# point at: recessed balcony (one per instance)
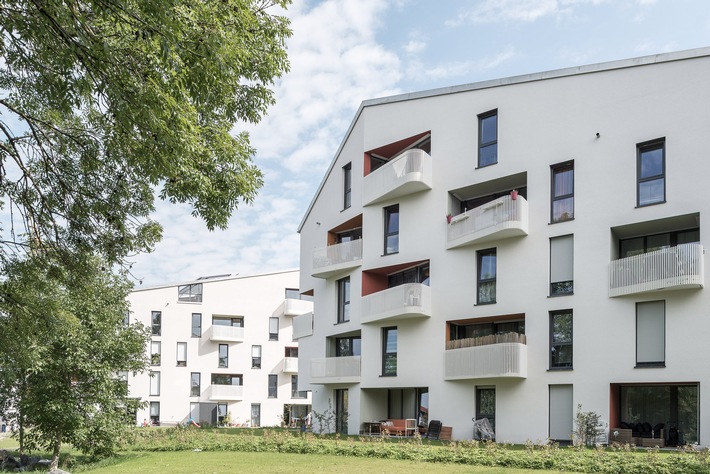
(501, 218)
(408, 301)
(333, 259)
(327, 370)
(290, 365)
(672, 268)
(484, 358)
(302, 326)
(218, 333)
(293, 307)
(406, 174)
(226, 392)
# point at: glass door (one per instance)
(486, 405)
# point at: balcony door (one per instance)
(341, 410)
(486, 405)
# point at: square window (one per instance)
(487, 275)
(488, 138)
(651, 172)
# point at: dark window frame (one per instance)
(223, 360)
(274, 335)
(273, 386)
(561, 287)
(256, 359)
(554, 198)
(343, 300)
(672, 239)
(479, 280)
(351, 349)
(295, 392)
(180, 363)
(347, 185)
(154, 414)
(190, 293)
(196, 329)
(488, 144)
(387, 356)
(388, 233)
(555, 345)
(156, 327)
(195, 388)
(155, 357)
(641, 149)
(651, 364)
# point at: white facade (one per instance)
(223, 346)
(627, 146)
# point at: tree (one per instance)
(64, 342)
(103, 102)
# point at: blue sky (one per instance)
(345, 51)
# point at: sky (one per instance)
(343, 52)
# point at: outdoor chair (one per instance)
(434, 430)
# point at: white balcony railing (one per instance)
(293, 307)
(412, 300)
(302, 326)
(327, 370)
(672, 268)
(327, 261)
(508, 359)
(408, 173)
(226, 392)
(499, 219)
(219, 333)
(290, 365)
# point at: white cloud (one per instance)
(460, 69)
(523, 11)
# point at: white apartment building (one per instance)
(514, 248)
(221, 351)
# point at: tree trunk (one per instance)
(55, 454)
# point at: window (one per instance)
(291, 352)
(389, 351)
(154, 383)
(467, 330)
(273, 329)
(256, 357)
(182, 354)
(651, 172)
(488, 138)
(273, 385)
(196, 325)
(295, 393)
(293, 293)
(418, 274)
(155, 317)
(221, 413)
(155, 353)
(122, 375)
(223, 356)
(226, 379)
(255, 415)
(392, 229)
(562, 207)
(650, 243)
(190, 293)
(227, 321)
(562, 265)
(347, 346)
(127, 318)
(487, 276)
(561, 339)
(195, 384)
(155, 413)
(347, 185)
(651, 334)
(344, 300)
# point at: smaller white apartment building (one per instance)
(221, 351)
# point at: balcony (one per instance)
(502, 218)
(485, 358)
(672, 268)
(219, 333)
(302, 326)
(408, 301)
(226, 393)
(408, 173)
(333, 259)
(293, 307)
(290, 365)
(327, 370)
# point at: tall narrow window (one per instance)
(344, 300)
(562, 265)
(347, 185)
(273, 385)
(182, 354)
(651, 172)
(256, 357)
(487, 275)
(561, 339)
(392, 229)
(255, 415)
(295, 393)
(651, 334)
(127, 318)
(488, 138)
(223, 356)
(221, 413)
(273, 329)
(155, 353)
(195, 384)
(155, 317)
(562, 207)
(389, 351)
(154, 383)
(196, 325)
(155, 413)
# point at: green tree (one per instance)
(105, 102)
(64, 340)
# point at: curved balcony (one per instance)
(672, 268)
(507, 359)
(333, 259)
(290, 365)
(501, 218)
(293, 307)
(408, 173)
(302, 326)
(326, 370)
(226, 392)
(218, 333)
(408, 301)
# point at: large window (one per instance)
(226, 379)
(256, 357)
(651, 334)
(347, 346)
(561, 339)
(223, 356)
(237, 322)
(487, 276)
(196, 329)
(182, 354)
(418, 274)
(347, 185)
(273, 385)
(344, 300)
(562, 265)
(562, 207)
(650, 243)
(155, 353)
(195, 384)
(468, 330)
(154, 383)
(295, 393)
(392, 229)
(155, 320)
(190, 293)
(273, 329)
(389, 351)
(651, 172)
(488, 138)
